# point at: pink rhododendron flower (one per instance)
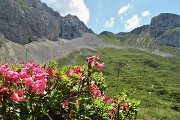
(93, 86)
(105, 97)
(23, 74)
(12, 76)
(125, 105)
(94, 90)
(64, 104)
(17, 95)
(39, 76)
(112, 100)
(77, 102)
(30, 65)
(35, 88)
(50, 71)
(76, 70)
(99, 66)
(3, 68)
(91, 60)
(97, 93)
(39, 86)
(121, 107)
(42, 86)
(4, 89)
(111, 114)
(70, 73)
(29, 82)
(73, 70)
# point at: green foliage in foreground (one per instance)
(153, 79)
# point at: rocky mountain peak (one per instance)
(163, 22)
(24, 21)
(139, 30)
(165, 29)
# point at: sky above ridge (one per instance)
(114, 15)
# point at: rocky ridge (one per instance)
(164, 29)
(24, 21)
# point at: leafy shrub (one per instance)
(151, 63)
(32, 91)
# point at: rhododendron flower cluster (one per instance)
(28, 76)
(94, 89)
(91, 62)
(32, 91)
(74, 71)
(17, 95)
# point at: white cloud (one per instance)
(123, 9)
(110, 23)
(132, 22)
(145, 13)
(74, 7)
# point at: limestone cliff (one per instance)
(24, 21)
(165, 29)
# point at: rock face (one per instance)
(24, 21)
(140, 29)
(165, 29)
(163, 22)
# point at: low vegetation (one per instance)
(150, 78)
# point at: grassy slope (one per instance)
(150, 78)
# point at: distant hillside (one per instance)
(24, 21)
(46, 50)
(164, 29)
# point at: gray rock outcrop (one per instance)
(138, 30)
(165, 29)
(24, 21)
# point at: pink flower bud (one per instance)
(64, 104)
(97, 93)
(99, 66)
(17, 95)
(4, 89)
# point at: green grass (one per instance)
(22, 3)
(150, 78)
(172, 50)
(129, 39)
(169, 31)
(110, 38)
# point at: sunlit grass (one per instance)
(153, 79)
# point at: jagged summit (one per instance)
(24, 21)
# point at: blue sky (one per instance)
(114, 15)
